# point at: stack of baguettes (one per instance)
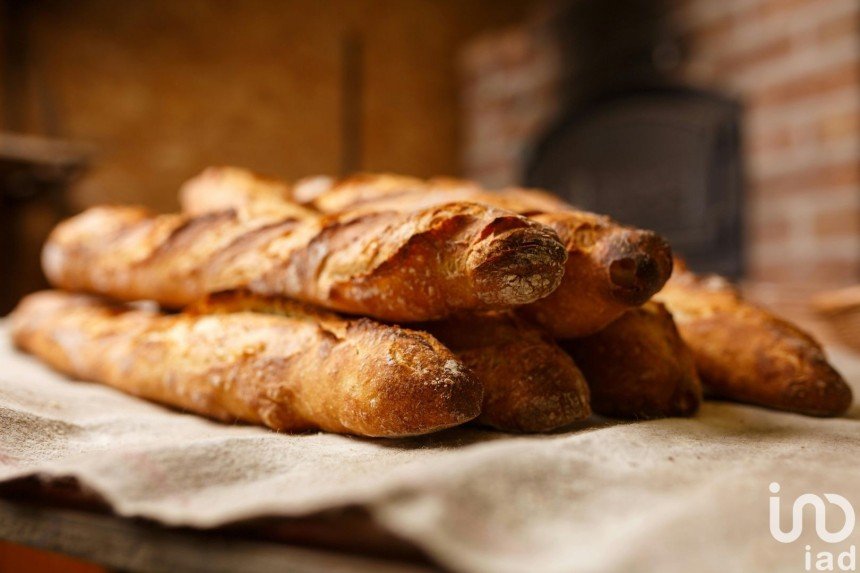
(383, 305)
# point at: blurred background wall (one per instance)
(164, 88)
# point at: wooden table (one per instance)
(54, 520)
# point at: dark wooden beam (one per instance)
(14, 57)
(352, 86)
(136, 545)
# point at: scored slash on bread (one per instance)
(398, 266)
(303, 370)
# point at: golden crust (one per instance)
(638, 366)
(231, 188)
(298, 372)
(746, 354)
(530, 383)
(610, 268)
(396, 266)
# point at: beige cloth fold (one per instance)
(669, 495)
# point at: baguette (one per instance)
(530, 384)
(416, 266)
(303, 371)
(610, 268)
(746, 354)
(638, 367)
(251, 195)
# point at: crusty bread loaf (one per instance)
(638, 366)
(251, 195)
(399, 266)
(530, 383)
(298, 372)
(610, 268)
(744, 353)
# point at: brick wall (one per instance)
(510, 94)
(794, 65)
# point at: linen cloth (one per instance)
(674, 495)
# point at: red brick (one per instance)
(837, 28)
(779, 272)
(480, 55)
(820, 82)
(496, 51)
(820, 272)
(833, 271)
(818, 179)
(839, 126)
(515, 47)
(760, 55)
(711, 34)
(769, 8)
(838, 223)
(775, 229)
(769, 141)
